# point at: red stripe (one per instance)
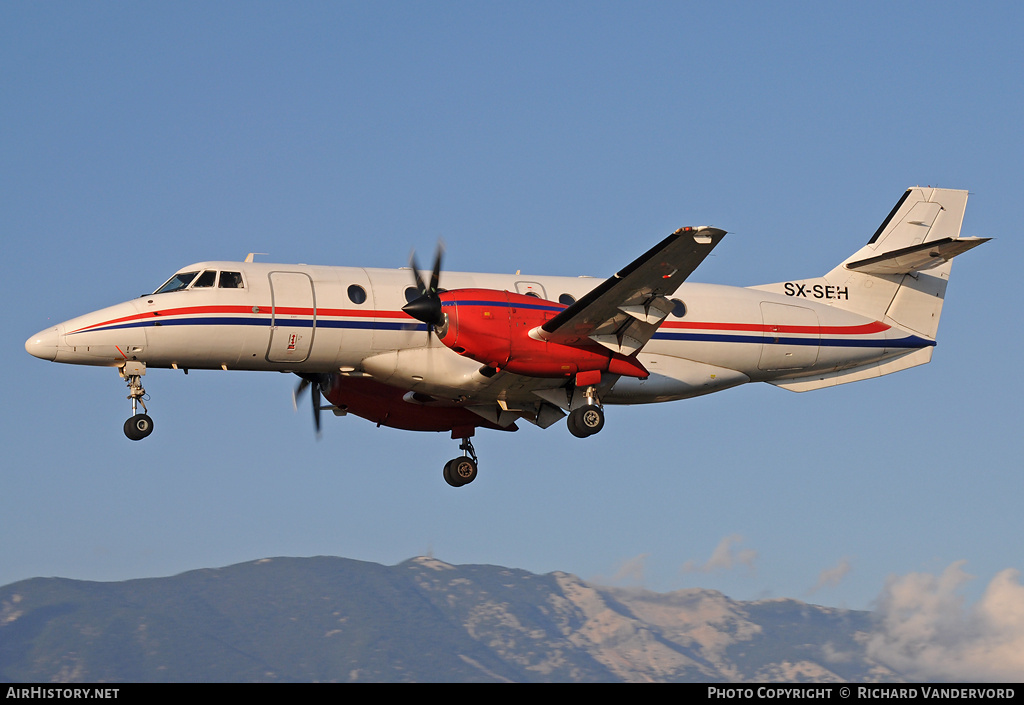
(862, 329)
(281, 311)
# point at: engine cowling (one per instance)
(492, 327)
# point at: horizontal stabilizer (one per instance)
(916, 257)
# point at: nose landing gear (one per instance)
(138, 426)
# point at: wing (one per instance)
(623, 312)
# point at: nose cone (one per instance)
(44, 343)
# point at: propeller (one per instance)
(309, 380)
(427, 308)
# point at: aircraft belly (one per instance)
(673, 378)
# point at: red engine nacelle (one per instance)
(492, 327)
(387, 406)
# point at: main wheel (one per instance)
(138, 427)
(585, 421)
(460, 471)
(448, 474)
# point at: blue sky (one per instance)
(557, 138)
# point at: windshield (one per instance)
(178, 281)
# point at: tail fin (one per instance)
(900, 276)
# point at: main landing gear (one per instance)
(138, 426)
(587, 419)
(461, 471)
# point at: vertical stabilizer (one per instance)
(900, 276)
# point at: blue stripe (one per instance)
(911, 341)
(370, 325)
(505, 304)
(296, 323)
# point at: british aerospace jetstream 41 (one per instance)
(488, 350)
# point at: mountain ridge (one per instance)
(327, 618)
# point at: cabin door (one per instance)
(293, 318)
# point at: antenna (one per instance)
(249, 257)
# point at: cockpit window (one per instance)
(177, 282)
(231, 280)
(206, 279)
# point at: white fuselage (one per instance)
(348, 320)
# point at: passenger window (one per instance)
(206, 279)
(678, 308)
(357, 294)
(231, 280)
(411, 294)
(566, 300)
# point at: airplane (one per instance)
(397, 349)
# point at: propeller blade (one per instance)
(435, 276)
(421, 287)
(297, 392)
(427, 308)
(316, 408)
(314, 382)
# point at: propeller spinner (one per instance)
(427, 308)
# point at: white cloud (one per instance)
(631, 570)
(725, 556)
(928, 633)
(830, 577)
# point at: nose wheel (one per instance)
(461, 471)
(138, 426)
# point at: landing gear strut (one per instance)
(138, 426)
(461, 471)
